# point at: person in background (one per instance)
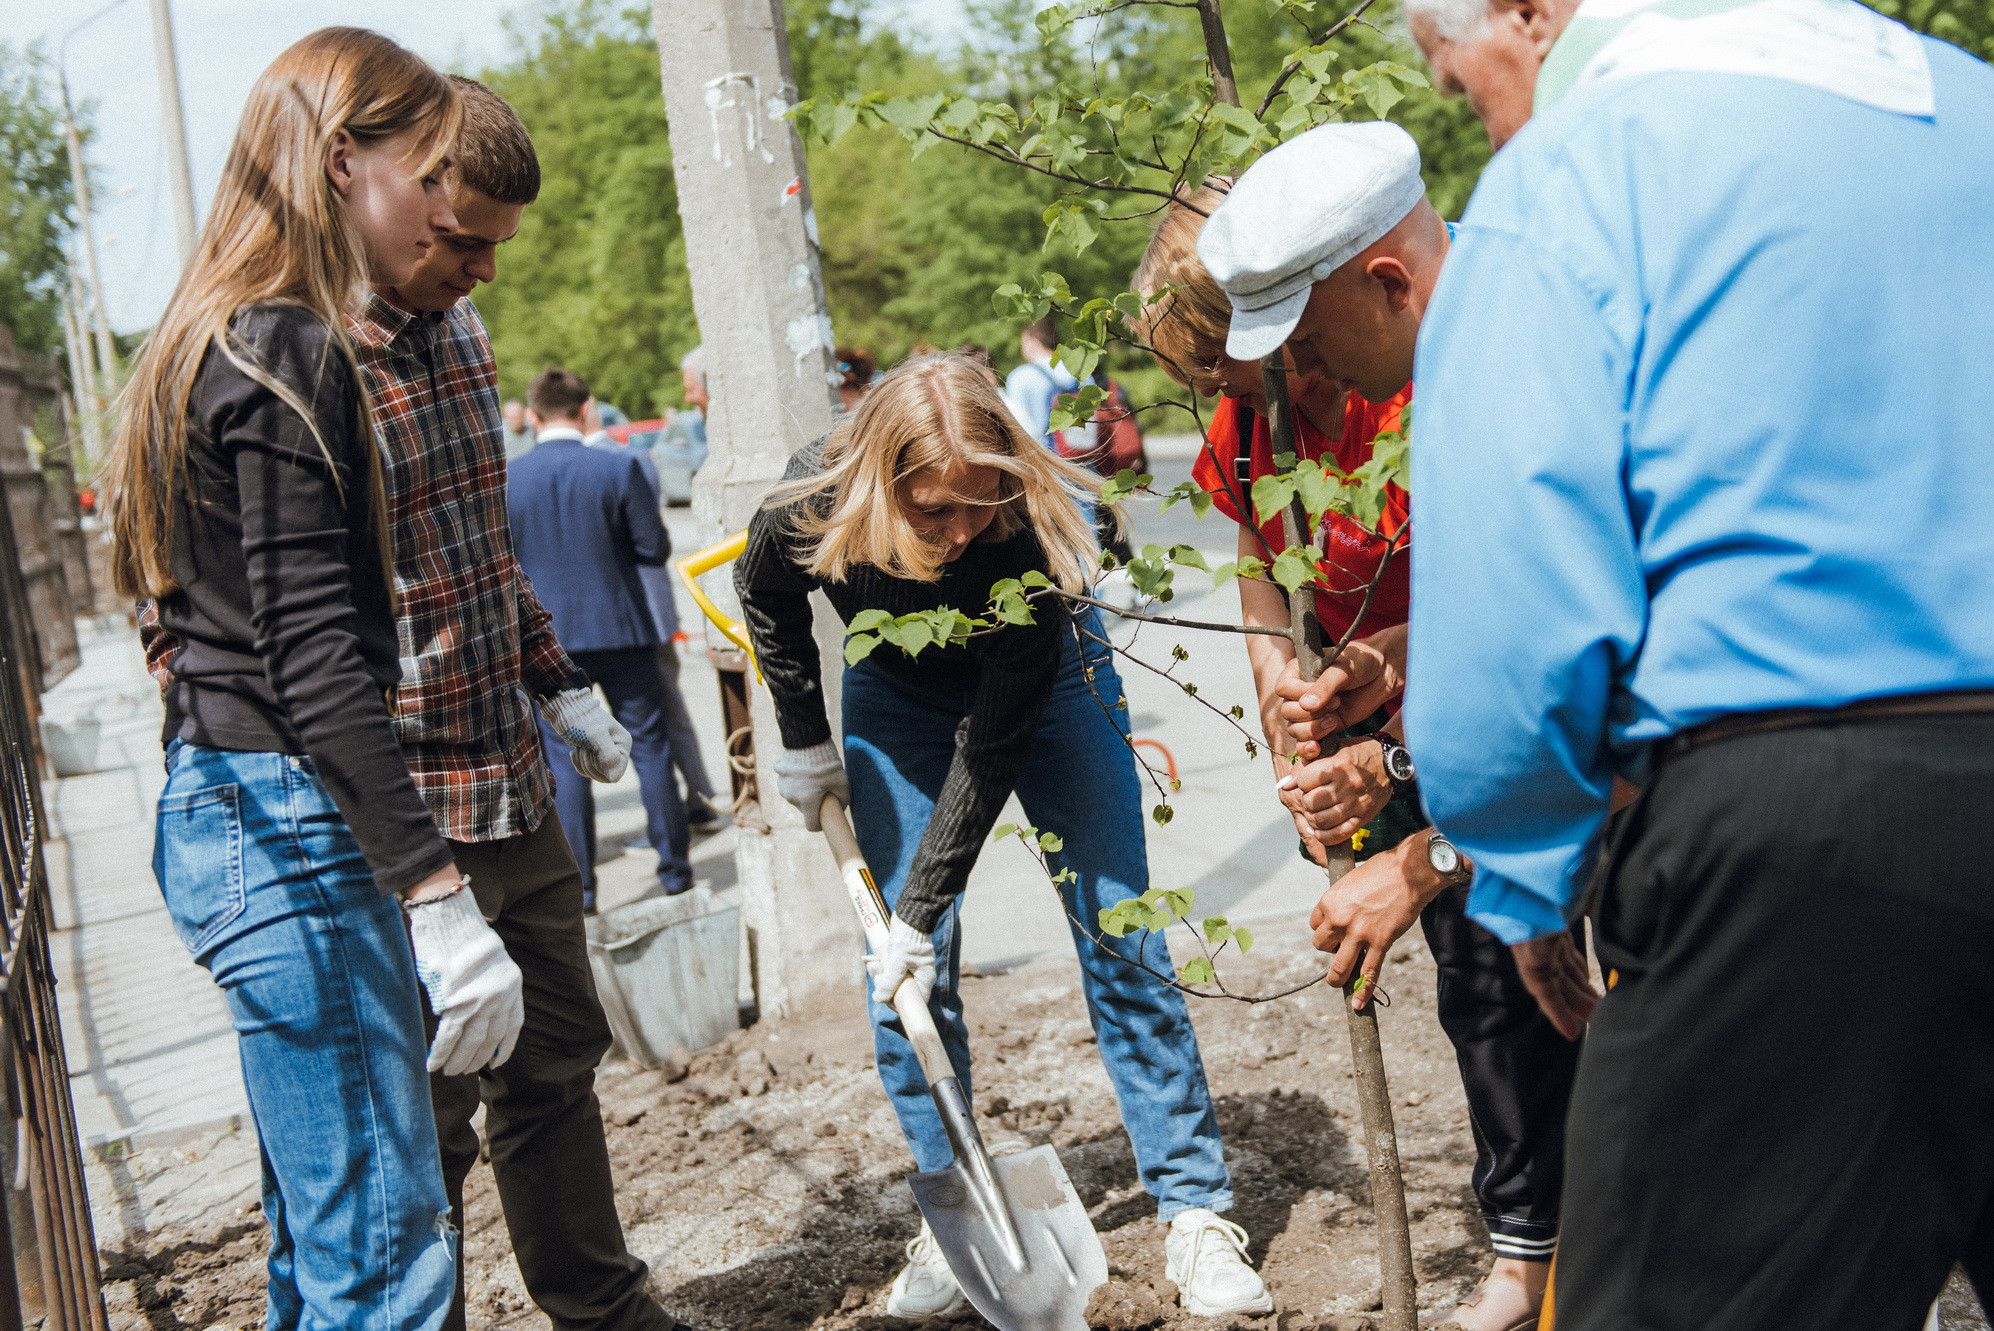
(518, 432)
(585, 520)
(678, 450)
(1705, 457)
(683, 446)
(295, 855)
(1037, 382)
(856, 368)
(926, 497)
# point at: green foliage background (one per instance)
(913, 246)
(36, 203)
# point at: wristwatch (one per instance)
(1398, 760)
(1447, 860)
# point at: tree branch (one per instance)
(1063, 594)
(1293, 65)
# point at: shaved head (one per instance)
(1361, 325)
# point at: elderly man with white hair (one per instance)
(1703, 476)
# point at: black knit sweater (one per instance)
(1001, 679)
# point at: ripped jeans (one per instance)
(268, 890)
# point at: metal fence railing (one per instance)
(48, 1273)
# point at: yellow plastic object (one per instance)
(706, 561)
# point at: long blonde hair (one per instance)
(1186, 329)
(278, 231)
(937, 412)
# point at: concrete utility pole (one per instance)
(758, 292)
(79, 179)
(82, 382)
(173, 127)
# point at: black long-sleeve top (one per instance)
(283, 614)
(1005, 677)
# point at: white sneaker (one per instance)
(925, 1287)
(1205, 1257)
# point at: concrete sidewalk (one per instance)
(152, 1058)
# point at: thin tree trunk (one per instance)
(1400, 1293)
(1218, 53)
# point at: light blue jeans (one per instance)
(1079, 784)
(269, 891)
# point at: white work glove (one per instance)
(473, 986)
(908, 952)
(601, 745)
(805, 776)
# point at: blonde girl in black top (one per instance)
(923, 498)
(247, 503)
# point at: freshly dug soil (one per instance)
(763, 1182)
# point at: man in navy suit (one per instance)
(583, 521)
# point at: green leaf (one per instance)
(1216, 929)
(859, 646)
(1271, 494)
(1054, 20)
(1116, 924)
(865, 621)
(1034, 578)
(1073, 409)
(1050, 843)
(1162, 813)
(1295, 570)
(1003, 830)
(1189, 556)
(1189, 492)
(1243, 939)
(1123, 484)
(1196, 971)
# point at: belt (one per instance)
(1959, 702)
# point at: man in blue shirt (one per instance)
(1703, 476)
(584, 521)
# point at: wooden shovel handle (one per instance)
(874, 917)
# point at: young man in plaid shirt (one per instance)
(475, 644)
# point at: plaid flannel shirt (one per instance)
(476, 642)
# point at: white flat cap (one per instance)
(1300, 213)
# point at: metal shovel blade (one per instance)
(1062, 1258)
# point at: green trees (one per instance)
(913, 243)
(35, 201)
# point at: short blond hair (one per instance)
(938, 412)
(1186, 329)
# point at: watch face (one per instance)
(1440, 853)
(1398, 764)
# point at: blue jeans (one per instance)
(269, 891)
(1079, 784)
(635, 687)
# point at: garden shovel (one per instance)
(1012, 1227)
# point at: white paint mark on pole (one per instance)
(809, 334)
(718, 98)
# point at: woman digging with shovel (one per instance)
(925, 497)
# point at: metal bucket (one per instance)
(72, 745)
(667, 970)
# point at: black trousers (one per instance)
(541, 1115)
(635, 688)
(1784, 1118)
(1517, 1072)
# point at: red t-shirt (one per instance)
(1350, 554)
